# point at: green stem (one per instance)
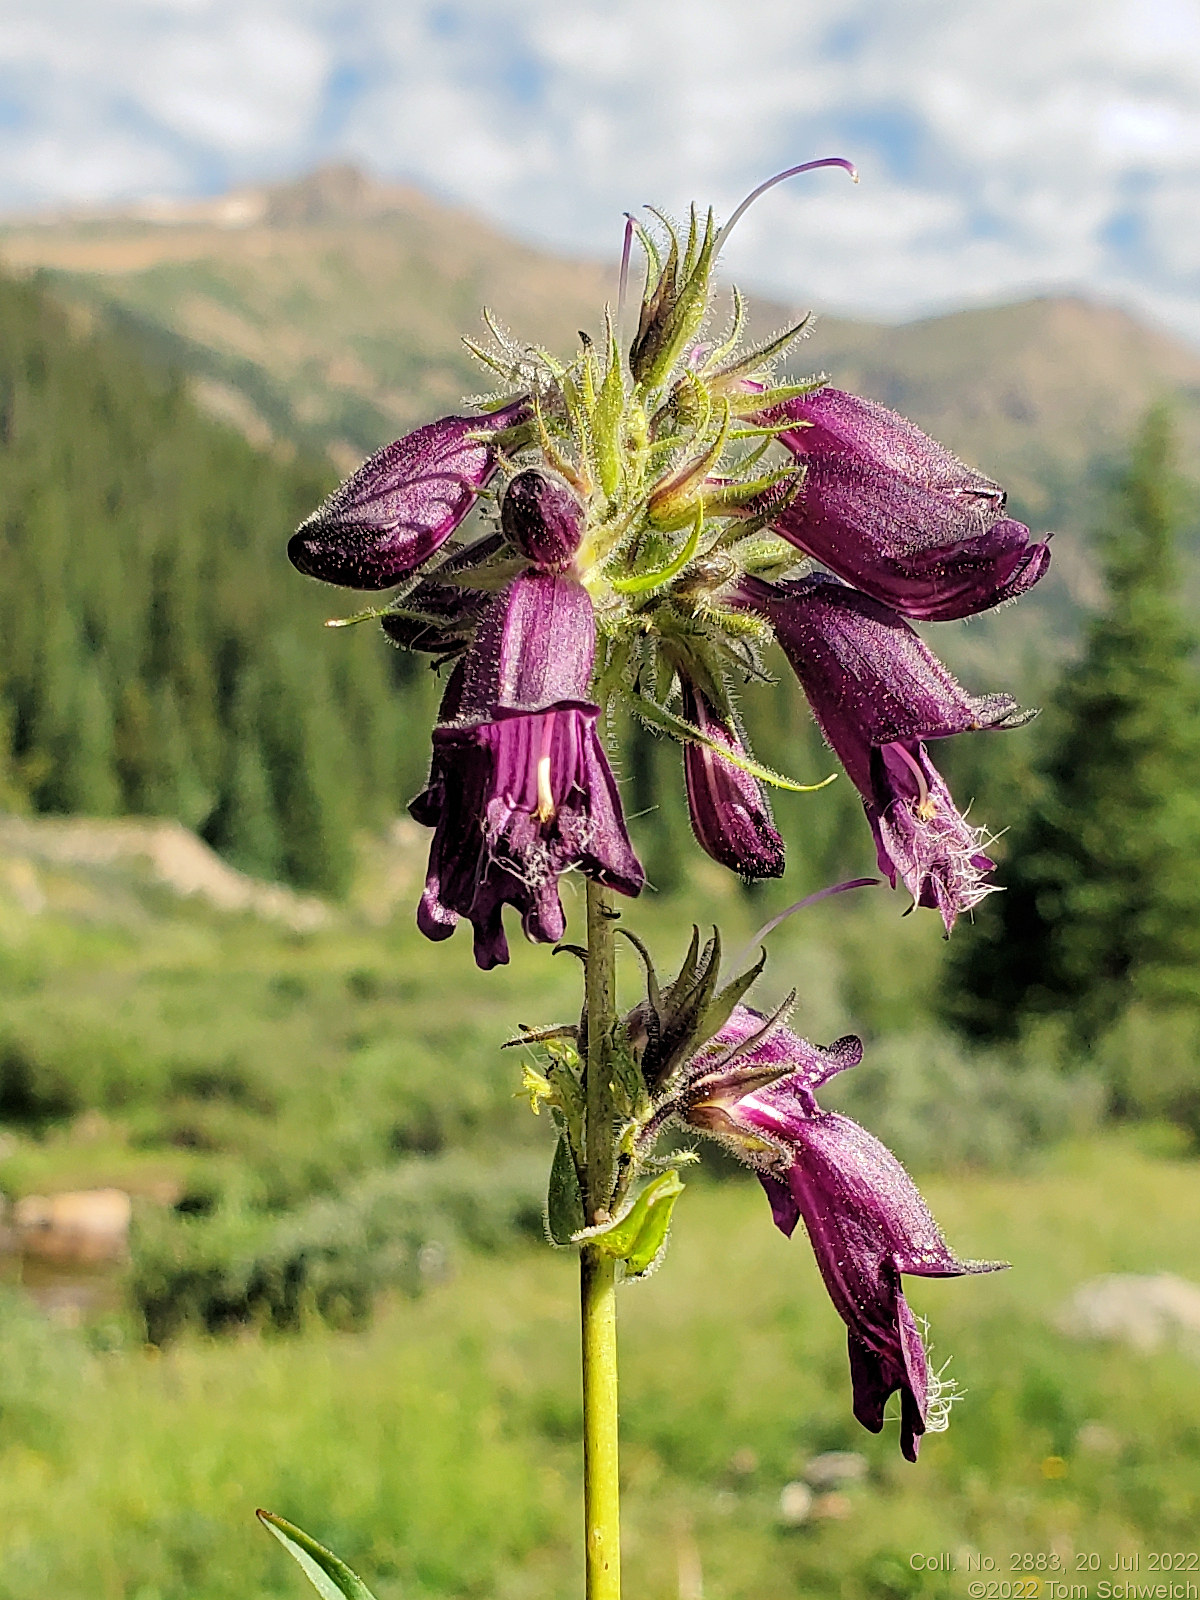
(601, 999)
(598, 1298)
(601, 1486)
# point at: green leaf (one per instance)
(656, 716)
(564, 1205)
(651, 1242)
(331, 1578)
(371, 614)
(638, 1237)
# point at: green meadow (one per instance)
(437, 1449)
(338, 1193)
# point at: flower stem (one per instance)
(601, 1001)
(598, 1297)
(601, 1488)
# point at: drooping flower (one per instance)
(893, 512)
(753, 1087)
(731, 816)
(878, 693)
(403, 503)
(520, 789)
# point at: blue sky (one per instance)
(1006, 146)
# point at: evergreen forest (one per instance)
(159, 655)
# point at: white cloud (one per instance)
(1003, 143)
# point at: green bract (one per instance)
(676, 490)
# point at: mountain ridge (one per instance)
(328, 312)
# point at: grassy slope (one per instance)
(436, 1451)
(163, 1046)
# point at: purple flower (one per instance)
(878, 693)
(543, 517)
(891, 511)
(731, 816)
(402, 504)
(752, 1087)
(520, 789)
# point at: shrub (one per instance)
(396, 1228)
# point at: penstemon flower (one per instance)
(651, 512)
(520, 788)
(887, 508)
(878, 693)
(730, 812)
(753, 1087)
(403, 503)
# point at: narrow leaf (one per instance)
(609, 413)
(371, 614)
(763, 353)
(733, 338)
(721, 1008)
(331, 1578)
(685, 978)
(653, 992)
(656, 716)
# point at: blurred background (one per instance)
(272, 1214)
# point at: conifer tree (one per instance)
(141, 561)
(1102, 877)
(247, 829)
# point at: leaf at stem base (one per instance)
(331, 1578)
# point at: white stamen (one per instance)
(545, 807)
(941, 1392)
(926, 807)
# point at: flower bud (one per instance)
(403, 503)
(542, 515)
(730, 814)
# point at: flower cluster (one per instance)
(656, 512)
